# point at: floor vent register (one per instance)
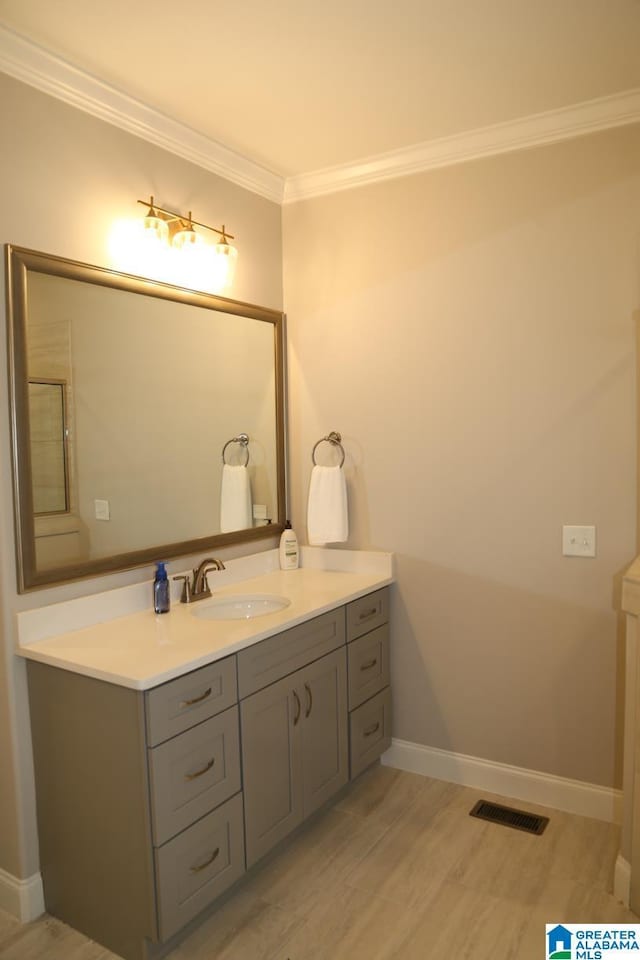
(509, 817)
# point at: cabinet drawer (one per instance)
(370, 731)
(175, 706)
(274, 658)
(367, 613)
(198, 865)
(193, 773)
(368, 660)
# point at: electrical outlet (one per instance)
(101, 508)
(578, 541)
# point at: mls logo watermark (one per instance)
(592, 941)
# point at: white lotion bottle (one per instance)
(289, 552)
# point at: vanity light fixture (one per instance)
(178, 232)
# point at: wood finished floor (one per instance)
(394, 870)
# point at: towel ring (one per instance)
(242, 439)
(333, 438)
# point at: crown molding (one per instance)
(536, 130)
(26, 61)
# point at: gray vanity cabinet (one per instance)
(92, 789)
(139, 806)
(294, 750)
(293, 719)
(323, 730)
(270, 766)
(153, 803)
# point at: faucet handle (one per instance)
(186, 588)
(206, 589)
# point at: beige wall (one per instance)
(470, 332)
(64, 178)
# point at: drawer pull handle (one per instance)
(298, 709)
(369, 664)
(207, 863)
(368, 613)
(309, 700)
(190, 703)
(369, 732)
(199, 773)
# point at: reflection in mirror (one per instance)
(125, 394)
(49, 468)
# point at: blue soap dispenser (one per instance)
(161, 597)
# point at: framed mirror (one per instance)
(147, 420)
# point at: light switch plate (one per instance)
(101, 508)
(578, 541)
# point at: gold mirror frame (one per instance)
(21, 261)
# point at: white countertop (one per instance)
(142, 649)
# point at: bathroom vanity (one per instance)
(164, 772)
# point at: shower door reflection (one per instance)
(49, 454)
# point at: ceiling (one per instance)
(296, 86)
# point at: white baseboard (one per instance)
(23, 899)
(572, 796)
(622, 880)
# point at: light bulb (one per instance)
(155, 225)
(186, 237)
(224, 263)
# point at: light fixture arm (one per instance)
(171, 217)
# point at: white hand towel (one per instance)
(235, 499)
(327, 515)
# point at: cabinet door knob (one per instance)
(298, 709)
(190, 703)
(309, 700)
(207, 863)
(371, 730)
(369, 664)
(199, 773)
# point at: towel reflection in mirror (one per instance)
(236, 504)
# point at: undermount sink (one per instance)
(244, 606)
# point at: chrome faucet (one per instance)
(199, 589)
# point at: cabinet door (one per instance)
(322, 687)
(271, 765)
